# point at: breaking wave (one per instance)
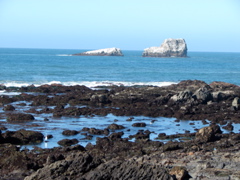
(90, 84)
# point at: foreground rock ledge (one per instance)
(207, 154)
(169, 48)
(210, 155)
(102, 52)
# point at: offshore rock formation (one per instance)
(169, 48)
(102, 52)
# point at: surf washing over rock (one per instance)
(102, 52)
(169, 48)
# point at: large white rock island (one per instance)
(169, 48)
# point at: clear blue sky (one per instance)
(206, 25)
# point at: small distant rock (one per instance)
(70, 132)
(140, 135)
(139, 125)
(130, 119)
(95, 131)
(115, 126)
(102, 52)
(169, 48)
(115, 136)
(49, 136)
(68, 142)
(162, 135)
(9, 108)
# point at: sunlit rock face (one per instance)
(102, 52)
(169, 48)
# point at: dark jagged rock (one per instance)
(139, 124)
(74, 166)
(9, 108)
(203, 94)
(208, 134)
(115, 127)
(5, 100)
(95, 131)
(22, 137)
(19, 117)
(171, 146)
(140, 135)
(124, 170)
(70, 132)
(115, 136)
(67, 142)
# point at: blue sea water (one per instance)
(21, 67)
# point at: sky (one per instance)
(206, 25)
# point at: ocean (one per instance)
(22, 67)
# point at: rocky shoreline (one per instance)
(207, 153)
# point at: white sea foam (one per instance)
(16, 84)
(90, 84)
(9, 93)
(64, 55)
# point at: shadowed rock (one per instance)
(74, 166)
(115, 126)
(9, 108)
(128, 170)
(70, 132)
(20, 117)
(67, 142)
(22, 137)
(208, 134)
(139, 124)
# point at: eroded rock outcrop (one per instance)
(169, 48)
(102, 52)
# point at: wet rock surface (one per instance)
(22, 136)
(19, 117)
(207, 153)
